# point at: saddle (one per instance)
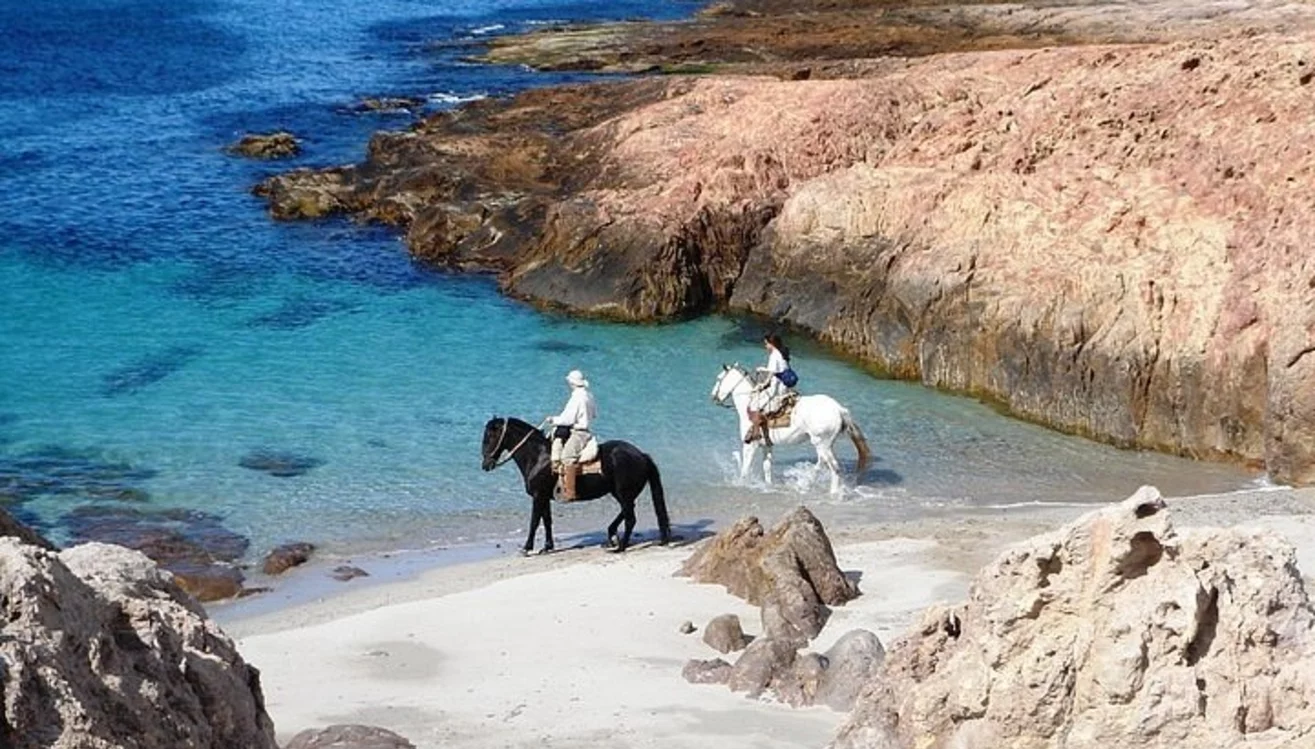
(589, 461)
(783, 413)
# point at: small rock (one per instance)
(275, 145)
(346, 572)
(724, 634)
(287, 556)
(687, 627)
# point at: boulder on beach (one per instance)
(102, 649)
(791, 571)
(1116, 631)
(348, 736)
(286, 556)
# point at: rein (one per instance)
(512, 452)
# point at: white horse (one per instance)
(817, 418)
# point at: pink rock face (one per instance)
(1109, 240)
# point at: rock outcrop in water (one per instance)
(1109, 240)
(1116, 631)
(102, 650)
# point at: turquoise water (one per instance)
(158, 330)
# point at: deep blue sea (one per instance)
(161, 337)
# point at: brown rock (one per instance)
(1114, 631)
(101, 649)
(276, 145)
(724, 634)
(348, 736)
(285, 557)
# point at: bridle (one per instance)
(726, 401)
(512, 452)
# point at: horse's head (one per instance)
(730, 378)
(495, 437)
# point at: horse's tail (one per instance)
(860, 441)
(659, 500)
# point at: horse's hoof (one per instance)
(526, 552)
(616, 550)
(546, 550)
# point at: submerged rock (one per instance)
(11, 527)
(285, 557)
(1117, 630)
(279, 462)
(277, 145)
(102, 649)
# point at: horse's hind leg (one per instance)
(611, 529)
(827, 457)
(628, 514)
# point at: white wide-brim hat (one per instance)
(575, 378)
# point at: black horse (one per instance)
(626, 470)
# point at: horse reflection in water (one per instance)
(626, 471)
(818, 419)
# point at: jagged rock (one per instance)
(348, 736)
(715, 671)
(1115, 631)
(285, 557)
(276, 145)
(724, 634)
(791, 570)
(850, 664)
(102, 649)
(763, 661)
(9, 526)
(687, 627)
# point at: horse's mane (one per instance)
(512, 421)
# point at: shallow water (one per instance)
(159, 331)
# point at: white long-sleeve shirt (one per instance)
(580, 410)
(776, 364)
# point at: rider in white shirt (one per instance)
(572, 433)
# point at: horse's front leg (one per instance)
(747, 452)
(767, 464)
(536, 511)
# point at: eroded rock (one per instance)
(850, 664)
(102, 649)
(1117, 630)
(715, 671)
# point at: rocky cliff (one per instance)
(1106, 239)
(1116, 631)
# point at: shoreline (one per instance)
(573, 648)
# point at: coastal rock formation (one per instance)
(101, 650)
(277, 145)
(790, 572)
(1114, 631)
(1108, 240)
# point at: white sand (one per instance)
(582, 648)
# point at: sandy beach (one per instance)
(583, 648)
